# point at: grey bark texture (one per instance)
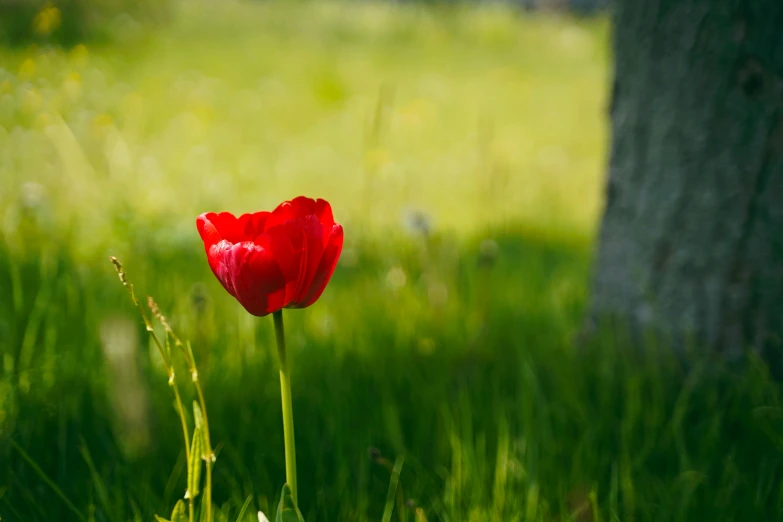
(691, 242)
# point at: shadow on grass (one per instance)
(456, 354)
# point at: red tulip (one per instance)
(274, 260)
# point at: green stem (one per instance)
(210, 461)
(210, 454)
(181, 412)
(288, 411)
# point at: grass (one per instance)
(463, 150)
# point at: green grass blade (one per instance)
(395, 479)
(100, 487)
(194, 466)
(244, 508)
(47, 480)
(180, 513)
(198, 417)
(286, 509)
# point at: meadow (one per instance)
(463, 149)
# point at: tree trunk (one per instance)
(691, 243)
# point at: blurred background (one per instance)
(463, 147)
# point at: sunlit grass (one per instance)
(475, 116)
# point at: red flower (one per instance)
(273, 260)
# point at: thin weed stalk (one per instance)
(190, 360)
(165, 354)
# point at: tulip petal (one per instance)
(284, 212)
(323, 211)
(288, 245)
(228, 227)
(324, 270)
(253, 224)
(215, 255)
(313, 232)
(250, 273)
(224, 226)
(207, 230)
(301, 207)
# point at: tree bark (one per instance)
(691, 242)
